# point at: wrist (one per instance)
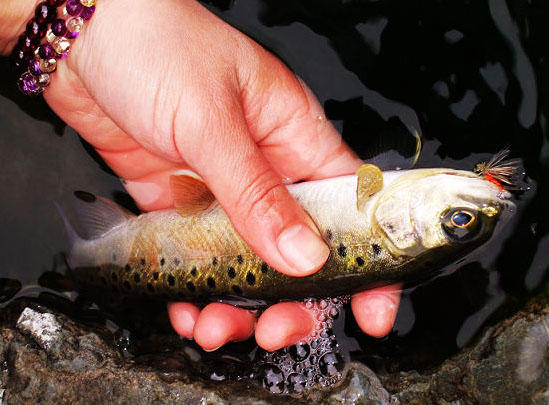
(14, 15)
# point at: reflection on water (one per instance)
(470, 77)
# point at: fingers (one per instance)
(283, 325)
(183, 316)
(375, 310)
(279, 326)
(218, 324)
(261, 209)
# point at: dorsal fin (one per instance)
(190, 194)
(369, 182)
(97, 215)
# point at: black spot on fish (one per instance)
(85, 196)
(162, 261)
(136, 277)
(190, 286)
(127, 267)
(193, 271)
(127, 285)
(237, 290)
(231, 272)
(264, 268)
(250, 278)
(150, 287)
(171, 280)
(239, 259)
(155, 275)
(342, 250)
(176, 261)
(211, 282)
(376, 248)
(103, 280)
(360, 261)
(329, 234)
(214, 261)
(143, 262)
(114, 277)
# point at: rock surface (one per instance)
(48, 358)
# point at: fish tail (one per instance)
(72, 235)
(96, 216)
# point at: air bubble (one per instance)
(299, 352)
(272, 378)
(322, 304)
(297, 382)
(331, 364)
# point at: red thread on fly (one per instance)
(499, 171)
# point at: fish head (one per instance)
(448, 210)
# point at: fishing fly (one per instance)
(500, 171)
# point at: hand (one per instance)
(160, 86)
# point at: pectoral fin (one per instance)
(190, 194)
(370, 181)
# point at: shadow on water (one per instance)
(470, 77)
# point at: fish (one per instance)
(381, 227)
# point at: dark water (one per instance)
(471, 77)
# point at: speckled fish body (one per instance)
(401, 233)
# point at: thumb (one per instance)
(260, 207)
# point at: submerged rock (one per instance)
(509, 364)
(48, 358)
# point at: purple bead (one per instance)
(35, 30)
(34, 67)
(27, 44)
(87, 12)
(20, 58)
(46, 51)
(28, 84)
(74, 7)
(58, 27)
(45, 13)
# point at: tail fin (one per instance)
(96, 216)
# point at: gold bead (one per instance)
(49, 65)
(61, 45)
(44, 79)
(50, 36)
(75, 24)
(87, 3)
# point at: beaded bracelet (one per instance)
(33, 60)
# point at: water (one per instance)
(470, 77)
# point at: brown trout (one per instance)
(396, 226)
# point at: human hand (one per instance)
(158, 87)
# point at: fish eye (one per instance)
(460, 224)
(463, 219)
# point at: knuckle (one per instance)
(261, 197)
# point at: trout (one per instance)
(382, 228)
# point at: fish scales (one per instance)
(201, 257)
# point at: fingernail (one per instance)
(302, 249)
